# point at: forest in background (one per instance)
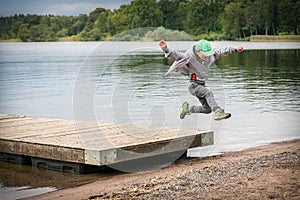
(175, 19)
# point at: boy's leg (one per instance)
(201, 109)
(201, 92)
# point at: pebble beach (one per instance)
(266, 172)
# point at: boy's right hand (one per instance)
(162, 44)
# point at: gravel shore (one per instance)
(268, 172)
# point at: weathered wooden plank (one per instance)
(45, 151)
(118, 139)
(27, 122)
(42, 127)
(7, 116)
(135, 151)
(49, 130)
(37, 130)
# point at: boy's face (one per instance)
(200, 55)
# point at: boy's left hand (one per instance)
(239, 49)
(162, 44)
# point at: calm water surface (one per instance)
(124, 82)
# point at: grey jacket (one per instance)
(189, 62)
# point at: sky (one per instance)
(56, 7)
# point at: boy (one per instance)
(195, 62)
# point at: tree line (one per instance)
(213, 19)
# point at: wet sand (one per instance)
(267, 172)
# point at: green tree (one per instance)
(144, 13)
(202, 16)
(265, 12)
(78, 25)
(171, 18)
(182, 15)
(252, 18)
(62, 33)
(289, 16)
(102, 23)
(32, 20)
(15, 29)
(232, 20)
(24, 33)
(195, 18)
(119, 22)
(95, 14)
(90, 35)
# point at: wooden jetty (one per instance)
(50, 141)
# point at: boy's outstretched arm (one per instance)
(176, 55)
(227, 51)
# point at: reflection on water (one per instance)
(18, 181)
(268, 79)
(13, 175)
(125, 83)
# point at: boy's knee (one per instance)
(200, 91)
(203, 93)
(207, 110)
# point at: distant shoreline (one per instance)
(275, 38)
(178, 45)
(255, 38)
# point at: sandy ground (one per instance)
(267, 172)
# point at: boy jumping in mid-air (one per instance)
(195, 63)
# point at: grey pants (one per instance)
(205, 97)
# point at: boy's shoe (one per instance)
(185, 110)
(221, 115)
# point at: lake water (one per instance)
(124, 82)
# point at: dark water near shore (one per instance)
(125, 83)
